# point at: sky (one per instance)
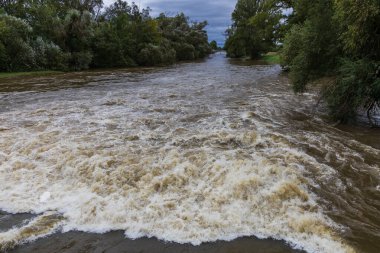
(216, 12)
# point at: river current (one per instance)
(194, 153)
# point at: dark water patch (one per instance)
(363, 133)
(8, 221)
(115, 242)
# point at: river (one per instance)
(196, 155)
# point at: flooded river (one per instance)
(193, 155)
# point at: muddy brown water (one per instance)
(211, 156)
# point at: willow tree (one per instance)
(340, 39)
(358, 81)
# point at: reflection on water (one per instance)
(194, 153)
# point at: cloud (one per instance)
(216, 12)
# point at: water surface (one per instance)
(190, 154)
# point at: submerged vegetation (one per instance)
(76, 35)
(336, 38)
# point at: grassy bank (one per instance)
(271, 58)
(31, 73)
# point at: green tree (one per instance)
(78, 31)
(49, 55)
(15, 50)
(357, 84)
(124, 34)
(359, 23)
(214, 45)
(78, 34)
(255, 28)
(341, 39)
(189, 40)
(311, 47)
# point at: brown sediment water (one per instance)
(194, 155)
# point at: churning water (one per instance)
(194, 153)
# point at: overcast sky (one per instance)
(216, 12)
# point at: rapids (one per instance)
(193, 153)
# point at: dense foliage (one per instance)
(214, 45)
(255, 29)
(335, 38)
(341, 39)
(77, 34)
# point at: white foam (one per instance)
(45, 197)
(125, 167)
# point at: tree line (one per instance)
(339, 39)
(79, 34)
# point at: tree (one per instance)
(124, 34)
(78, 33)
(357, 86)
(189, 40)
(311, 47)
(341, 39)
(255, 28)
(359, 25)
(214, 45)
(358, 77)
(15, 51)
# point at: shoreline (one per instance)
(9, 75)
(41, 73)
(269, 58)
(115, 241)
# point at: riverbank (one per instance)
(28, 74)
(271, 58)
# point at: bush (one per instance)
(184, 51)
(150, 55)
(156, 55)
(56, 59)
(49, 56)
